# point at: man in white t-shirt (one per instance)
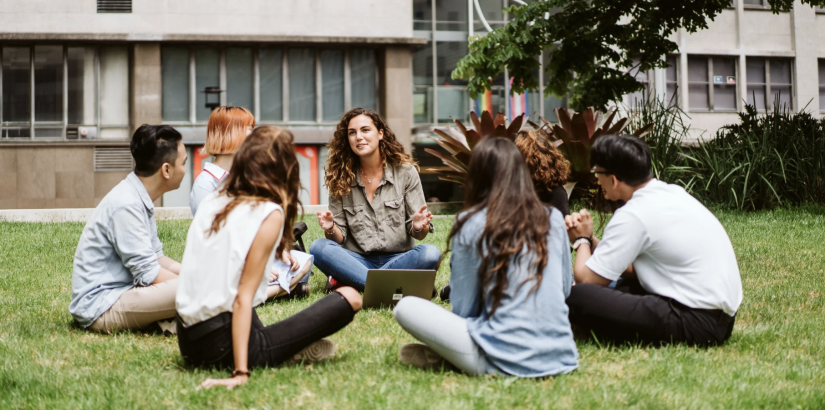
(678, 280)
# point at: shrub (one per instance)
(770, 160)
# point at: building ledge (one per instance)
(65, 143)
(210, 38)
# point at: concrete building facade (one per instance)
(77, 77)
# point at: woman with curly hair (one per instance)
(376, 205)
(549, 169)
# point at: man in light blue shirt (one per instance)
(121, 278)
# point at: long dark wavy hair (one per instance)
(265, 169)
(342, 163)
(517, 222)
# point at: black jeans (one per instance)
(628, 313)
(209, 343)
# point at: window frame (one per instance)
(256, 82)
(63, 125)
(710, 84)
(767, 84)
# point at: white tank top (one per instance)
(212, 264)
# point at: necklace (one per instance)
(369, 181)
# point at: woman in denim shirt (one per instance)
(508, 317)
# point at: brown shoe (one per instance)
(421, 356)
(320, 350)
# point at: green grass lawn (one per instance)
(775, 358)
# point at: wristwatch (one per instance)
(580, 240)
(240, 373)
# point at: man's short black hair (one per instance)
(152, 146)
(625, 156)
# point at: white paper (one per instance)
(282, 269)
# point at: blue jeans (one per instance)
(350, 268)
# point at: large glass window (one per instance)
(207, 79)
(294, 85)
(302, 84)
(239, 77)
(438, 98)
(332, 77)
(82, 86)
(769, 81)
(364, 78)
(51, 91)
(272, 76)
(175, 83)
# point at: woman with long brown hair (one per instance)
(229, 251)
(510, 274)
(376, 205)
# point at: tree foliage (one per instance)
(592, 44)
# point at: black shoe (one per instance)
(301, 291)
(445, 293)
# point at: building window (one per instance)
(822, 85)
(770, 81)
(712, 84)
(647, 80)
(61, 92)
(437, 97)
(755, 4)
(293, 85)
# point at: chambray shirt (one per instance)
(529, 334)
(384, 225)
(118, 250)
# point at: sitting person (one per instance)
(225, 132)
(121, 278)
(376, 205)
(680, 280)
(549, 171)
(510, 274)
(229, 251)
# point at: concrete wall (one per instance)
(37, 177)
(157, 19)
(744, 33)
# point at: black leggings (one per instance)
(629, 313)
(209, 343)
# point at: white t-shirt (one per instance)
(677, 247)
(212, 264)
(206, 183)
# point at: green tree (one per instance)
(591, 44)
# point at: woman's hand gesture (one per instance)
(421, 219)
(326, 221)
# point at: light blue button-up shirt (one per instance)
(118, 250)
(529, 335)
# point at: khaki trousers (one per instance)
(139, 307)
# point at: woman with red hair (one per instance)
(227, 129)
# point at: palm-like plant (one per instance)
(573, 135)
(460, 142)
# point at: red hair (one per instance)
(227, 129)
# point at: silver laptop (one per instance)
(385, 287)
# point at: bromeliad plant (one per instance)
(459, 143)
(573, 135)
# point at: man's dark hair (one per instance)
(625, 156)
(152, 146)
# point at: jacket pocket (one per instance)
(395, 212)
(356, 219)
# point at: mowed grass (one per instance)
(774, 359)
